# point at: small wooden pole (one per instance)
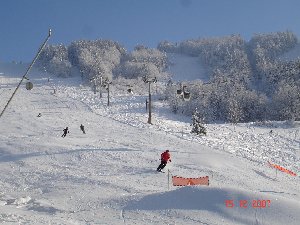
(108, 94)
(168, 179)
(149, 116)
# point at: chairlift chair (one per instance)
(179, 92)
(29, 85)
(186, 95)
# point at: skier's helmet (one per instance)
(167, 150)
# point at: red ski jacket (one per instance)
(165, 156)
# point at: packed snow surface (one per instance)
(107, 176)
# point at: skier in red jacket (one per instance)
(164, 157)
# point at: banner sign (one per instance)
(181, 181)
(282, 169)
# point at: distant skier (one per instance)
(82, 128)
(130, 91)
(39, 115)
(164, 157)
(66, 130)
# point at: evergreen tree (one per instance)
(198, 124)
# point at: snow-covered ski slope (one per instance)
(185, 68)
(107, 176)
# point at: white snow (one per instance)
(185, 68)
(107, 176)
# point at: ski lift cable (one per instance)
(27, 71)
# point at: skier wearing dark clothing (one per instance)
(164, 157)
(82, 128)
(66, 130)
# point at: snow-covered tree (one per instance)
(147, 55)
(142, 62)
(235, 111)
(54, 59)
(136, 69)
(97, 58)
(192, 47)
(197, 124)
(248, 81)
(265, 48)
(222, 56)
(275, 43)
(166, 46)
(229, 96)
(286, 101)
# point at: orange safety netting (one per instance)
(181, 181)
(282, 169)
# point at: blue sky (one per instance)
(25, 23)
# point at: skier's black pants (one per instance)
(162, 165)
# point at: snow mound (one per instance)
(2, 203)
(213, 201)
(22, 201)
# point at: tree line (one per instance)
(248, 81)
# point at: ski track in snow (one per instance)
(108, 175)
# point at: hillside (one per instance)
(107, 176)
(229, 79)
